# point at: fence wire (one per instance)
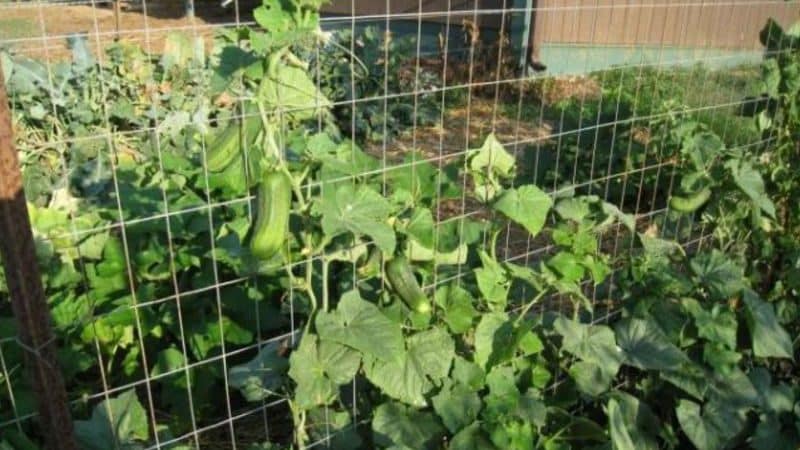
(180, 318)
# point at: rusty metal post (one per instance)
(27, 294)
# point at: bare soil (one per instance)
(41, 30)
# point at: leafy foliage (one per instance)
(144, 246)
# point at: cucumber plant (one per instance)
(413, 329)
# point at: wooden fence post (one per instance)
(117, 14)
(27, 294)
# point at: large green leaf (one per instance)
(504, 396)
(206, 334)
(361, 211)
(632, 424)
(645, 346)
(334, 427)
(405, 427)
(426, 361)
(702, 148)
(488, 165)
(232, 60)
(568, 266)
(273, 17)
(292, 92)
(593, 343)
(422, 230)
(775, 399)
(341, 362)
(493, 282)
(346, 160)
(261, 376)
(169, 360)
(731, 388)
(457, 406)
(770, 340)
(421, 227)
(492, 156)
(495, 339)
(319, 367)
(718, 274)
(771, 435)
(361, 325)
(590, 378)
(527, 205)
(313, 388)
(471, 438)
(574, 208)
(718, 325)
(468, 374)
(118, 422)
(749, 180)
(514, 434)
(713, 427)
(457, 304)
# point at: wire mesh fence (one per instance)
(163, 317)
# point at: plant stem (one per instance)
(296, 187)
(325, 265)
(351, 54)
(309, 281)
(529, 306)
(493, 248)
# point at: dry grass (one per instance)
(552, 91)
(463, 128)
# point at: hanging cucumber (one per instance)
(403, 281)
(691, 203)
(274, 204)
(226, 146)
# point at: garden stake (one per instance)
(28, 303)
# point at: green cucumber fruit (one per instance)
(227, 144)
(691, 203)
(403, 281)
(274, 204)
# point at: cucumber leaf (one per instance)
(361, 211)
(426, 361)
(770, 340)
(359, 324)
(527, 205)
(405, 427)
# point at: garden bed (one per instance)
(555, 263)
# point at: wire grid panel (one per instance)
(147, 294)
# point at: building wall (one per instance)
(580, 36)
(719, 24)
(407, 9)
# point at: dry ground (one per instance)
(40, 29)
